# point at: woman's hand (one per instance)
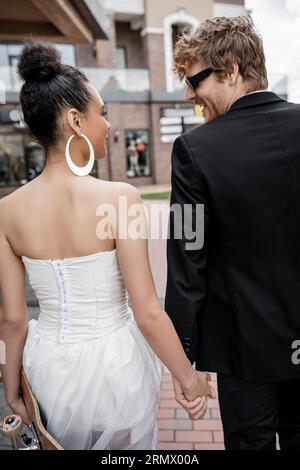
(18, 407)
(196, 409)
(193, 397)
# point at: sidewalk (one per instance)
(178, 432)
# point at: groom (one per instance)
(235, 301)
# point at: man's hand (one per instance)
(199, 386)
(197, 408)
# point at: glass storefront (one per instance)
(137, 153)
(16, 164)
(21, 160)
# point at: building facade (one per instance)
(128, 57)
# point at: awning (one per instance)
(77, 21)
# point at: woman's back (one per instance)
(58, 218)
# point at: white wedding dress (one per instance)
(96, 379)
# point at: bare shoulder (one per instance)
(2, 204)
(12, 200)
(6, 209)
(114, 189)
(21, 193)
(14, 204)
(126, 189)
(7, 204)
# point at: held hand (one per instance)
(18, 408)
(196, 409)
(199, 387)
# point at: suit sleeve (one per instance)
(185, 292)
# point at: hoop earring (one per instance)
(80, 170)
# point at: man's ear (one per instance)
(74, 121)
(233, 74)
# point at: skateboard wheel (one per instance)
(11, 426)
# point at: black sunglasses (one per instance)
(194, 80)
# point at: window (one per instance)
(178, 29)
(3, 55)
(67, 52)
(21, 160)
(35, 159)
(94, 171)
(180, 19)
(121, 57)
(9, 53)
(137, 153)
(12, 160)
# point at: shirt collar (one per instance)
(255, 98)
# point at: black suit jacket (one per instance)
(235, 302)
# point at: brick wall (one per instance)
(162, 152)
(125, 116)
(106, 50)
(155, 60)
(137, 116)
(133, 42)
(85, 55)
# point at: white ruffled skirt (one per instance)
(96, 394)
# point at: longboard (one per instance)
(31, 437)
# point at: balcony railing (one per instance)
(105, 80)
(133, 7)
(116, 80)
(9, 81)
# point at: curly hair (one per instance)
(219, 43)
(49, 86)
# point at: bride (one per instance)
(93, 364)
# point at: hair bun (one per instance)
(39, 61)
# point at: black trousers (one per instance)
(253, 412)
